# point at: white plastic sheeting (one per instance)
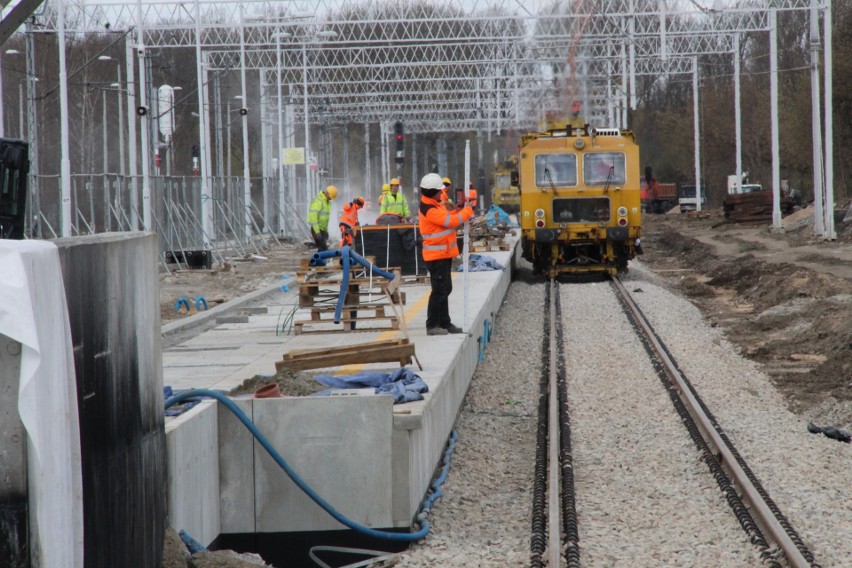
(34, 313)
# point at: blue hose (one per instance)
(344, 285)
(425, 507)
(182, 303)
(191, 544)
(347, 255)
(367, 264)
(354, 256)
(324, 255)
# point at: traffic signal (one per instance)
(400, 142)
(196, 153)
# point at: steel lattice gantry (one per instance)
(450, 65)
(446, 65)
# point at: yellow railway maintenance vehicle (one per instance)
(504, 193)
(580, 203)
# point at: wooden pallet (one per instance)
(311, 292)
(348, 312)
(489, 248)
(346, 325)
(330, 297)
(375, 352)
(332, 278)
(333, 272)
(415, 279)
(305, 263)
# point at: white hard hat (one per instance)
(431, 181)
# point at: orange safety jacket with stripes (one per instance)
(438, 228)
(350, 215)
(348, 221)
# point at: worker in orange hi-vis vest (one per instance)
(438, 228)
(349, 220)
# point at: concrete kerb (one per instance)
(211, 314)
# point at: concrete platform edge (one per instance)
(212, 313)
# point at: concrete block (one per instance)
(341, 447)
(192, 453)
(253, 310)
(236, 469)
(232, 319)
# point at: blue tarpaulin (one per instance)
(481, 263)
(179, 409)
(496, 215)
(402, 384)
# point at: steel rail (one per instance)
(762, 513)
(554, 524)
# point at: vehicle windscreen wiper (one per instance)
(609, 178)
(550, 181)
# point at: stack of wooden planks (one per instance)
(388, 351)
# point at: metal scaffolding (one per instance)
(440, 66)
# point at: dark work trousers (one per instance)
(321, 240)
(438, 313)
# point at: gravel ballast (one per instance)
(639, 479)
(644, 496)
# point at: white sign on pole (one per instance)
(166, 98)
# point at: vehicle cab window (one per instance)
(559, 170)
(601, 168)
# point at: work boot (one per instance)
(450, 328)
(436, 331)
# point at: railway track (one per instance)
(566, 492)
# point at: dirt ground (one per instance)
(230, 277)
(784, 298)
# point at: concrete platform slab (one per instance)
(369, 462)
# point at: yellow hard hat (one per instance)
(331, 191)
(447, 181)
(394, 181)
(386, 188)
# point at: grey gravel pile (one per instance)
(644, 497)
